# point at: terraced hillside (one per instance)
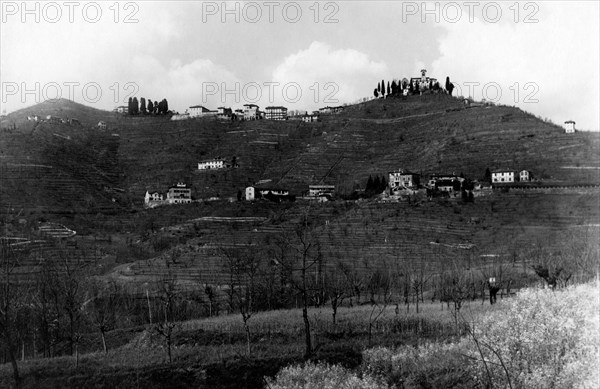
(86, 177)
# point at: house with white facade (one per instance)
(503, 176)
(403, 179)
(569, 127)
(524, 176)
(321, 190)
(224, 113)
(153, 199)
(309, 118)
(215, 163)
(179, 194)
(445, 182)
(197, 111)
(276, 113)
(251, 112)
(122, 109)
(102, 125)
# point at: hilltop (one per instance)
(60, 108)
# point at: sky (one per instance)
(541, 56)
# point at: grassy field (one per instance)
(212, 352)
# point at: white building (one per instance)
(122, 109)
(179, 194)
(569, 126)
(321, 190)
(197, 111)
(102, 125)
(224, 113)
(216, 163)
(403, 179)
(309, 118)
(251, 112)
(153, 199)
(276, 113)
(503, 176)
(524, 176)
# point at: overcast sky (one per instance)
(540, 56)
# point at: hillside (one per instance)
(427, 134)
(93, 181)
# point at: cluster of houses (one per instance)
(177, 194)
(253, 112)
(54, 120)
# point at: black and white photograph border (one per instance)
(300, 194)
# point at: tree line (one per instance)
(405, 86)
(142, 107)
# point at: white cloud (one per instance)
(559, 55)
(352, 75)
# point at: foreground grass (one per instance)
(212, 352)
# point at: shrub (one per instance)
(321, 376)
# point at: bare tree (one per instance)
(168, 296)
(103, 309)
(244, 268)
(381, 284)
(10, 302)
(305, 255)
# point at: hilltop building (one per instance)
(122, 109)
(309, 118)
(102, 125)
(423, 83)
(251, 112)
(224, 113)
(197, 111)
(276, 113)
(329, 109)
(569, 127)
